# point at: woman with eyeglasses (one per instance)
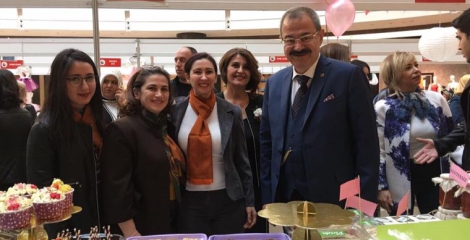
(65, 141)
(142, 165)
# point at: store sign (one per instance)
(11, 64)
(439, 1)
(353, 56)
(110, 62)
(278, 59)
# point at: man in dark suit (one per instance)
(317, 130)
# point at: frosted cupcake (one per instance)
(65, 189)
(15, 212)
(48, 204)
(22, 189)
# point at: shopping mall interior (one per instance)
(139, 33)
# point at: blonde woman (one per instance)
(407, 115)
(455, 107)
(24, 104)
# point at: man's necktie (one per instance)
(299, 96)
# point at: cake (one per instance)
(22, 189)
(15, 212)
(65, 189)
(48, 203)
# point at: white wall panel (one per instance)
(39, 53)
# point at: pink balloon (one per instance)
(340, 16)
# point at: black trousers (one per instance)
(211, 212)
(422, 188)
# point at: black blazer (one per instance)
(15, 125)
(73, 162)
(238, 179)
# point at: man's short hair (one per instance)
(298, 13)
(191, 49)
(462, 22)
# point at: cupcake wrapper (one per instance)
(68, 200)
(16, 220)
(49, 210)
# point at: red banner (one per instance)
(135, 0)
(439, 1)
(110, 62)
(278, 59)
(11, 64)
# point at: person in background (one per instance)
(454, 104)
(142, 165)
(336, 51)
(318, 124)
(239, 71)
(218, 197)
(407, 114)
(111, 90)
(15, 124)
(65, 142)
(440, 147)
(30, 108)
(180, 85)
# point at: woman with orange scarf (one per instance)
(66, 140)
(142, 165)
(218, 197)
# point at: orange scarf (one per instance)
(199, 162)
(89, 119)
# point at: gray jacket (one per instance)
(238, 178)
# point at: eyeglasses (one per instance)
(305, 39)
(77, 81)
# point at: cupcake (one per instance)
(48, 204)
(65, 189)
(15, 212)
(22, 189)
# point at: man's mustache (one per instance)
(301, 52)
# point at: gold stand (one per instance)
(35, 230)
(306, 216)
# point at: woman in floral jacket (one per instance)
(403, 119)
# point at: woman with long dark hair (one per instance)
(14, 129)
(65, 141)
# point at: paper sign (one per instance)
(459, 175)
(403, 204)
(327, 234)
(361, 205)
(349, 188)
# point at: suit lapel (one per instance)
(226, 118)
(316, 87)
(286, 86)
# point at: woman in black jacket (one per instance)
(66, 141)
(15, 123)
